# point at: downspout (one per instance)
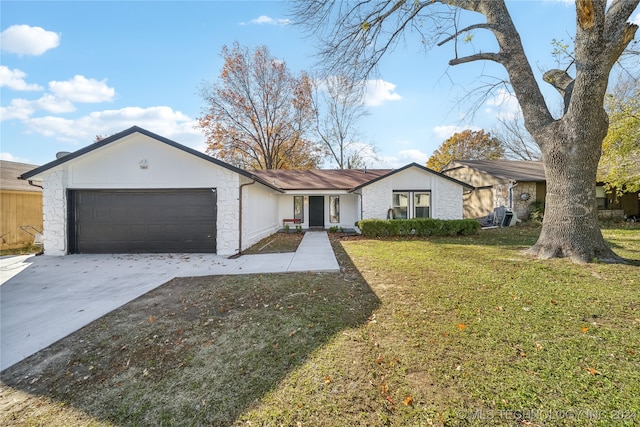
(35, 185)
(240, 219)
(512, 184)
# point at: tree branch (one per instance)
(483, 26)
(496, 57)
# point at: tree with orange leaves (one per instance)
(258, 113)
(466, 145)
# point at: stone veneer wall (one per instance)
(228, 188)
(54, 207)
(520, 207)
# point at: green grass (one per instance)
(476, 333)
(445, 331)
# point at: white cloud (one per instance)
(636, 20)
(53, 104)
(60, 100)
(267, 20)
(26, 40)
(444, 132)
(403, 158)
(14, 79)
(504, 105)
(82, 89)
(20, 109)
(11, 158)
(161, 120)
(378, 92)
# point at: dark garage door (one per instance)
(142, 221)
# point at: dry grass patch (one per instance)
(277, 243)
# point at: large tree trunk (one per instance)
(571, 227)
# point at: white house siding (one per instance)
(376, 199)
(349, 211)
(446, 199)
(446, 195)
(117, 166)
(259, 213)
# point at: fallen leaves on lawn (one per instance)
(462, 326)
(408, 401)
(593, 371)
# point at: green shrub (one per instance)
(418, 227)
(536, 211)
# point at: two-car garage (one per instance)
(139, 192)
(142, 221)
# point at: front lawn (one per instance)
(445, 331)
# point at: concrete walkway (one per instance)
(45, 298)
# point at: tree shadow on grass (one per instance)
(197, 350)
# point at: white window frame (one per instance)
(411, 204)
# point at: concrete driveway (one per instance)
(45, 298)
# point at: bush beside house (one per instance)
(422, 227)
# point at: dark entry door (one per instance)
(142, 221)
(316, 211)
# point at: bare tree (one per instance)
(517, 142)
(338, 105)
(359, 34)
(258, 113)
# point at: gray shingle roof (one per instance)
(319, 179)
(515, 170)
(9, 173)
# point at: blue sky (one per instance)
(71, 70)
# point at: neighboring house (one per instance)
(515, 185)
(21, 206)
(139, 192)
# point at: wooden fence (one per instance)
(17, 209)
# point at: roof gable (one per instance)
(135, 129)
(415, 165)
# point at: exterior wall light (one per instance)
(144, 164)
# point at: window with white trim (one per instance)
(411, 204)
(421, 205)
(400, 204)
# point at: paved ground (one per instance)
(45, 298)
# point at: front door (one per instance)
(316, 211)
